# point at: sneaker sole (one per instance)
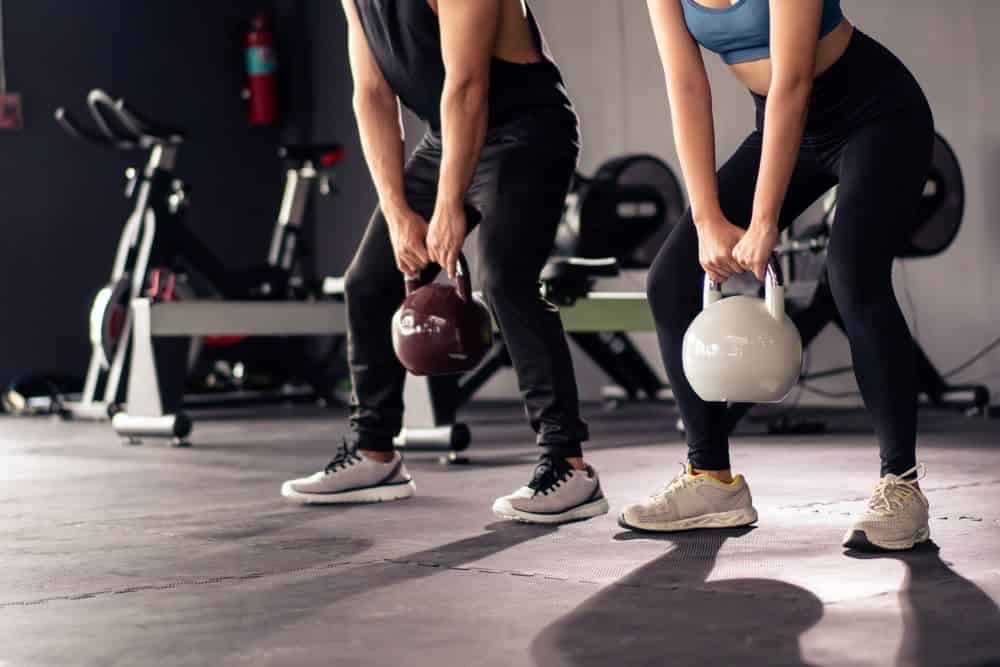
(860, 541)
(731, 519)
(502, 509)
(375, 494)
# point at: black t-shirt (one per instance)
(405, 38)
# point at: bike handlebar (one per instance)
(77, 131)
(100, 103)
(118, 125)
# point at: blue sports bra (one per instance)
(741, 32)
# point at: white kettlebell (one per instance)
(743, 349)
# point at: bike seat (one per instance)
(326, 154)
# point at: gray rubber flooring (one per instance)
(149, 555)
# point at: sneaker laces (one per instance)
(894, 491)
(347, 455)
(680, 481)
(550, 473)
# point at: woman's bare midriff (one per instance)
(756, 74)
(515, 43)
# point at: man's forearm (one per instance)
(382, 142)
(464, 118)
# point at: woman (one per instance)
(833, 107)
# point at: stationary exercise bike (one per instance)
(158, 255)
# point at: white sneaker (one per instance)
(896, 517)
(693, 501)
(557, 493)
(352, 478)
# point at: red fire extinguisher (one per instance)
(261, 86)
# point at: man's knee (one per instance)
(499, 283)
(491, 281)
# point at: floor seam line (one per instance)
(180, 583)
(827, 503)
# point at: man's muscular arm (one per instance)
(377, 110)
(468, 37)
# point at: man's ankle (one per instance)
(577, 462)
(378, 455)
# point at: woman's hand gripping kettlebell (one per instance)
(717, 237)
(754, 250)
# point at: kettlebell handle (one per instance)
(462, 281)
(774, 290)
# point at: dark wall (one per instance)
(60, 200)
(340, 219)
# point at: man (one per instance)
(500, 150)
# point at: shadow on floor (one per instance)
(665, 613)
(256, 619)
(947, 619)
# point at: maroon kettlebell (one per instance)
(441, 329)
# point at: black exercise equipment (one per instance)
(625, 211)
(156, 241)
(154, 194)
(941, 205)
(566, 280)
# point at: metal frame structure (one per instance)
(161, 339)
(161, 335)
(155, 236)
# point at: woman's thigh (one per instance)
(883, 168)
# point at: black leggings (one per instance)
(516, 197)
(869, 130)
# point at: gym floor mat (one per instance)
(153, 555)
